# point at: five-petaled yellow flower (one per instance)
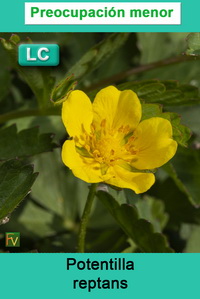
(109, 143)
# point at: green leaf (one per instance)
(153, 210)
(193, 241)
(39, 79)
(23, 144)
(181, 133)
(193, 43)
(88, 63)
(177, 205)
(15, 183)
(187, 166)
(169, 168)
(169, 98)
(46, 124)
(37, 221)
(166, 92)
(170, 84)
(137, 85)
(140, 230)
(149, 91)
(150, 110)
(189, 91)
(190, 118)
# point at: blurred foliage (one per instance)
(88, 63)
(164, 70)
(193, 43)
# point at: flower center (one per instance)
(107, 150)
(106, 146)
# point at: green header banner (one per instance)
(99, 16)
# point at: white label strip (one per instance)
(102, 13)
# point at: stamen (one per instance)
(120, 130)
(87, 147)
(82, 138)
(103, 123)
(126, 129)
(105, 145)
(96, 153)
(112, 152)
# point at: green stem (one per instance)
(85, 218)
(140, 69)
(30, 112)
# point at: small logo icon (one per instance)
(12, 239)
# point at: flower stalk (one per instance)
(85, 218)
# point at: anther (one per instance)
(103, 123)
(112, 152)
(76, 139)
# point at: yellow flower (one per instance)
(109, 143)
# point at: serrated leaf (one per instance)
(181, 133)
(88, 63)
(23, 144)
(16, 180)
(169, 98)
(150, 110)
(136, 85)
(141, 231)
(149, 91)
(166, 92)
(39, 79)
(189, 91)
(170, 84)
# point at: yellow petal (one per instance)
(154, 143)
(138, 182)
(86, 169)
(118, 108)
(77, 113)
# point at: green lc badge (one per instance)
(38, 55)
